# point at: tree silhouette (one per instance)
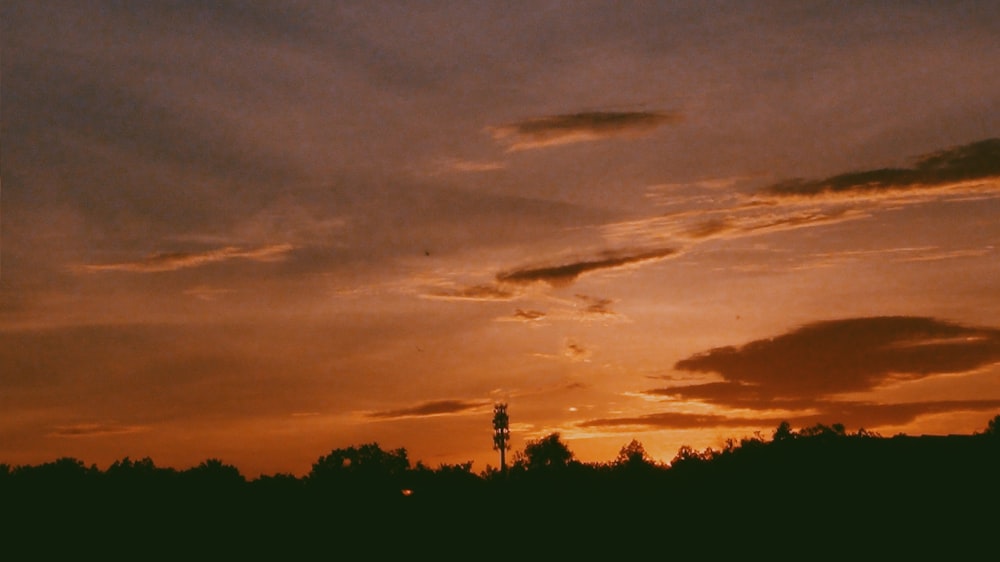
(364, 471)
(993, 427)
(547, 453)
(633, 455)
(783, 432)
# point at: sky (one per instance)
(260, 231)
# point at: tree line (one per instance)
(809, 478)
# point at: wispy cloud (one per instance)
(564, 274)
(468, 166)
(965, 167)
(701, 211)
(576, 352)
(852, 414)
(579, 127)
(528, 315)
(741, 218)
(596, 305)
(514, 283)
(95, 429)
(433, 408)
(484, 292)
(171, 261)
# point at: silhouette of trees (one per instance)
(783, 432)
(215, 476)
(632, 454)
(993, 427)
(816, 473)
(366, 470)
(546, 453)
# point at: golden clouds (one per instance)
(171, 261)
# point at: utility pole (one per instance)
(501, 434)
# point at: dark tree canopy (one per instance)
(549, 452)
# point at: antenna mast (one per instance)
(501, 433)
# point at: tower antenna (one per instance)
(501, 433)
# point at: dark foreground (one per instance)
(821, 497)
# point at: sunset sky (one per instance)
(260, 231)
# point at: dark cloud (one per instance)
(95, 429)
(852, 414)
(473, 293)
(434, 408)
(672, 420)
(171, 261)
(596, 305)
(528, 315)
(709, 228)
(975, 161)
(733, 395)
(849, 355)
(561, 275)
(576, 351)
(801, 372)
(579, 127)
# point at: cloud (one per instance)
(672, 420)
(433, 408)
(853, 414)
(596, 305)
(469, 166)
(579, 127)
(528, 315)
(738, 216)
(564, 274)
(171, 261)
(848, 355)
(962, 166)
(803, 372)
(576, 352)
(472, 293)
(95, 429)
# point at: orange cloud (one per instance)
(171, 261)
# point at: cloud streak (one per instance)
(433, 408)
(964, 165)
(172, 261)
(579, 127)
(482, 292)
(95, 429)
(564, 274)
(853, 414)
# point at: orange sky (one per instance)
(258, 232)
